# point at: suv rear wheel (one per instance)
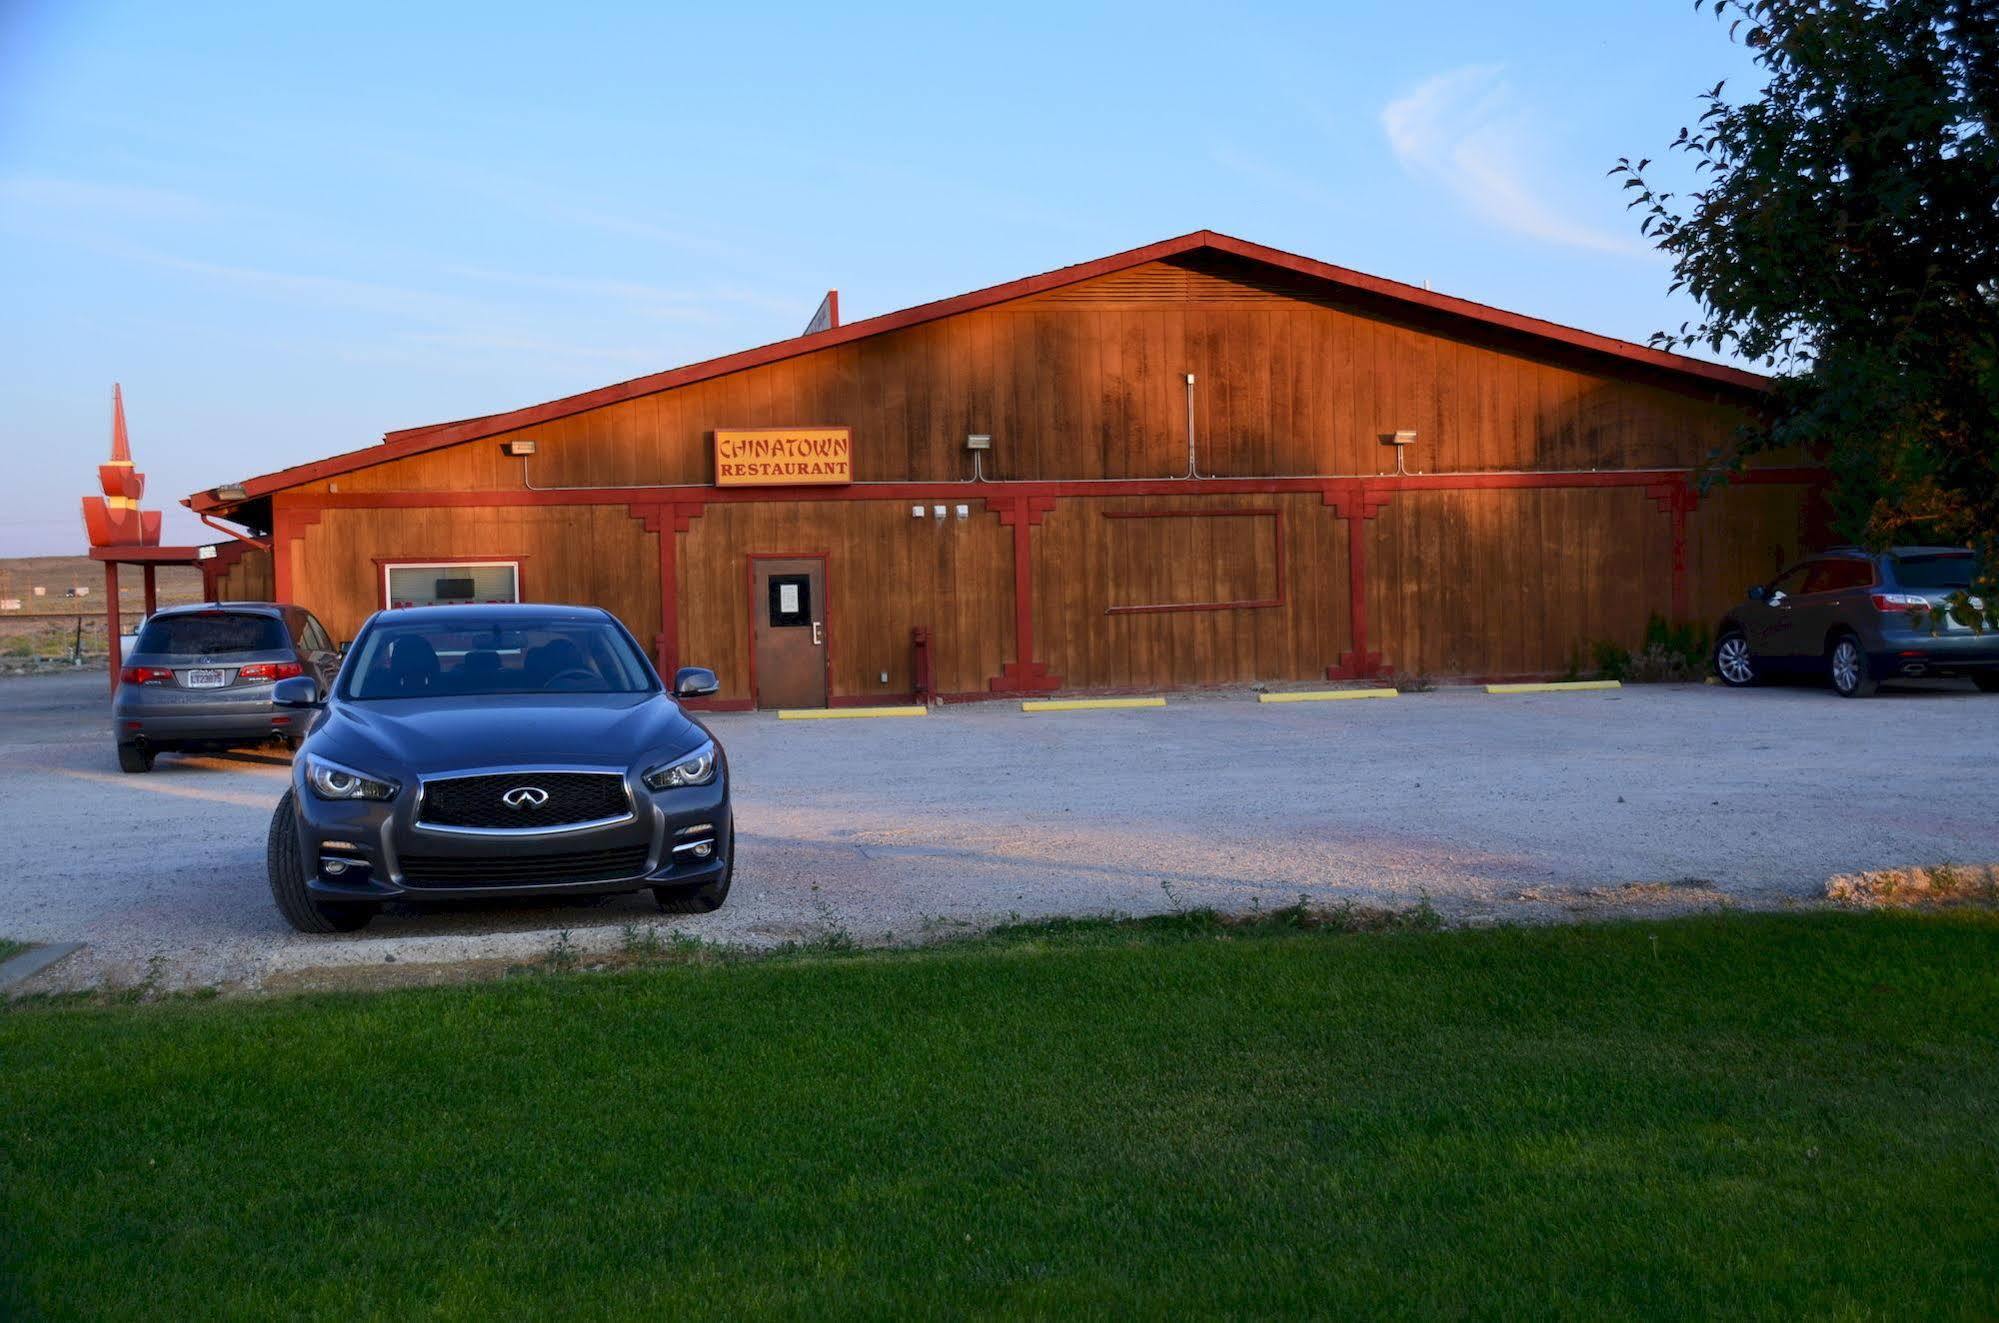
(1733, 661)
(132, 758)
(288, 882)
(1987, 682)
(1851, 675)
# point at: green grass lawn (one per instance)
(9, 948)
(1736, 1115)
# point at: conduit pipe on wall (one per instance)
(528, 482)
(1191, 471)
(261, 544)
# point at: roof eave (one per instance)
(405, 442)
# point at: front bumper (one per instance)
(360, 850)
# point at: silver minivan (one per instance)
(200, 677)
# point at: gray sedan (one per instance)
(200, 677)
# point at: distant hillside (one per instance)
(31, 640)
(56, 575)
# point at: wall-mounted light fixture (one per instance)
(521, 448)
(1401, 441)
(978, 441)
(233, 492)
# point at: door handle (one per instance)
(817, 637)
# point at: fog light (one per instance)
(703, 850)
(333, 867)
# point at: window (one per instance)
(491, 654)
(790, 600)
(213, 634)
(420, 584)
(316, 637)
(1789, 582)
(1953, 570)
(1832, 576)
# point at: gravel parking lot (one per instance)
(1496, 808)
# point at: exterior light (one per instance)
(979, 441)
(1401, 440)
(520, 448)
(233, 492)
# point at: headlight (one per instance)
(690, 769)
(330, 780)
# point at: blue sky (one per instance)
(288, 229)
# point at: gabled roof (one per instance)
(419, 440)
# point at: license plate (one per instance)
(204, 679)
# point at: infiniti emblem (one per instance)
(525, 797)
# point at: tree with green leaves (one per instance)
(1842, 229)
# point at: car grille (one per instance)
(523, 870)
(480, 801)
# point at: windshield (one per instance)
(213, 634)
(1946, 571)
(440, 658)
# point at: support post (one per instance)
(1353, 502)
(667, 645)
(281, 552)
(111, 626)
(669, 520)
(1023, 674)
(1677, 499)
(152, 591)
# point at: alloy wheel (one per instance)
(1846, 666)
(1733, 661)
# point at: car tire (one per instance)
(704, 899)
(132, 758)
(1988, 684)
(1733, 662)
(288, 881)
(1846, 661)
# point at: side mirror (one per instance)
(695, 682)
(299, 691)
(1757, 592)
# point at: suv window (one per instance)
(1955, 570)
(1832, 576)
(214, 634)
(1789, 582)
(316, 637)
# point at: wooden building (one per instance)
(1175, 466)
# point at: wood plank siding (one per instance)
(1549, 505)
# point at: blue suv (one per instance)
(1859, 618)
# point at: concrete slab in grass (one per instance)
(33, 961)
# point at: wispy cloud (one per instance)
(685, 304)
(335, 291)
(1467, 131)
(73, 195)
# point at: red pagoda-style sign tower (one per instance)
(115, 519)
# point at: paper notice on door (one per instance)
(787, 599)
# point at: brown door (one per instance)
(788, 632)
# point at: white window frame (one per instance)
(389, 599)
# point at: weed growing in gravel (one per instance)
(561, 956)
(642, 943)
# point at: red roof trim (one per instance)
(418, 440)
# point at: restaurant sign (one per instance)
(783, 456)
